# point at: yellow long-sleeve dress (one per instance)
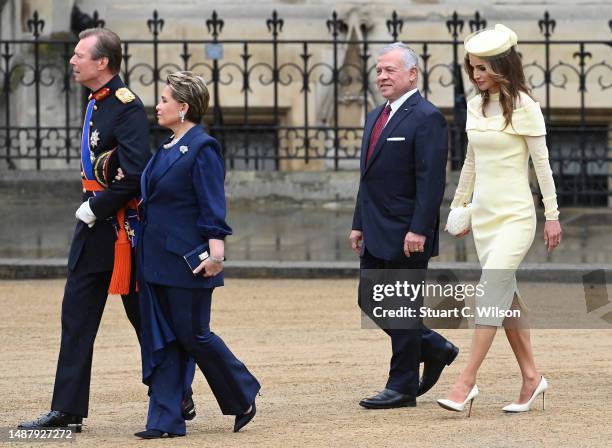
(503, 213)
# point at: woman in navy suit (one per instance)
(184, 219)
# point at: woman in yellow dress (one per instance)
(505, 126)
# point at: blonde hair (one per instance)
(189, 88)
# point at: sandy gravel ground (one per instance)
(303, 340)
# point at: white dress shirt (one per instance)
(395, 105)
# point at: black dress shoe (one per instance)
(54, 419)
(432, 369)
(388, 399)
(188, 409)
(155, 434)
(243, 419)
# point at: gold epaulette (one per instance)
(125, 95)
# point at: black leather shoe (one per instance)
(243, 419)
(54, 419)
(388, 399)
(155, 434)
(433, 369)
(188, 409)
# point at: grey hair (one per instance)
(409, 56)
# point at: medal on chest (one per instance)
(94, 139)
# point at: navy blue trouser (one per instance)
(188, 313)
(85, 297)
(409, 347)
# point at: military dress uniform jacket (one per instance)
(118, 121)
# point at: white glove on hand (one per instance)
(85, 214)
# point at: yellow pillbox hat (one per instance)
(491, 41)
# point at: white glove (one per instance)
(85, 214)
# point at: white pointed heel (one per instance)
(458, 407)
(541, 389)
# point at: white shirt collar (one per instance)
(395, 105)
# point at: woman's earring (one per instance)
(182, 116)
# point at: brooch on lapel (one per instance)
(183, 149)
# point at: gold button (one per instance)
(84, 190)
(95, 107)
(91, 123)
(82, 174)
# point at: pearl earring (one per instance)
(182, 116)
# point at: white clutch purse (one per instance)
(459, 219)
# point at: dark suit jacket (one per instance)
(123, 126)
(402, 186)
(183, 207)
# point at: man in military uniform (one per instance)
(115, 120)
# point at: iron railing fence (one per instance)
(280, 99)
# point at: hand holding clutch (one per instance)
(459, 220)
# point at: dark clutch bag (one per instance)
(196, 256)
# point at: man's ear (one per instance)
(414, 72)
(102, 63)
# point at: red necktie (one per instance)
(378, 128)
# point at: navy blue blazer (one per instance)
(402, 186)
(183, 207)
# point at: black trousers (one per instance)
(84, 300)
(409, 347)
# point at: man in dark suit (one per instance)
(396, 220)
(115, 121)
